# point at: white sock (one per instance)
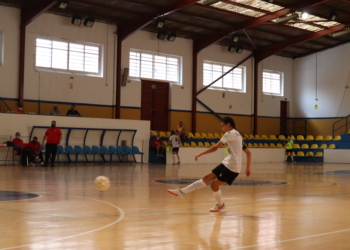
(292, 158)
(195, 185)
(174, 158)
(178, 158)
(218, 197)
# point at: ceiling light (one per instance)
(89, 22)
(63, 4)
(77, 20)
(171, 37)
(210, 2)
(340, 33)
(239, 49)
(304, 15)
(287, 18)
(161, 35)
(160, 22)
(234, 38)
(231, 48)
(333, 16)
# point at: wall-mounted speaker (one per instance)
(125, 77)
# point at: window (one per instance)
(235, 80)
(1, 47)
(153, 65)
(272, 82)
(71, 57)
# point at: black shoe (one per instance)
(52, 165)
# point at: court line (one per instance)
(122, 214)
(299, 238)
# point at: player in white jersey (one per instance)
(227, 171)
(175, 142)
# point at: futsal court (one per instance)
(280, 206)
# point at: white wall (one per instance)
(56, 86)
(48, 86)
(333, 70)
(10, 23)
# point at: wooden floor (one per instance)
(310, 212)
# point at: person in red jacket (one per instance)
(23, 149)
(54, 136)
(37, 154)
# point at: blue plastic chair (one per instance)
(58, 153)
(104, 151)
(86, 151)
(112, 151)
(95, 150)
(128, 152)
(67, 151)
(77, 151)
(135, 150)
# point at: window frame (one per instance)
(154, 53)
(244, 77)
(281, 73)
(68, 71)
(2, 47)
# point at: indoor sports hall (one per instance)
(95, 90)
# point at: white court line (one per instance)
(300, 238)
(122, 214)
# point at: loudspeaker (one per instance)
(125, 77)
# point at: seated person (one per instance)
(181, 129)
(20, 110)
(55, 110)
(23, 148)
(159, 145)
(73, 111)
(37, 154)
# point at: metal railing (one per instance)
(295, 127)
(346, 120)
(4, 107)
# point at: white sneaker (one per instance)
(217, 208)
(176, 192)
(42, 163)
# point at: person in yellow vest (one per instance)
(181, 129)
(289, 147)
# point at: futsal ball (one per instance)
(102, 183)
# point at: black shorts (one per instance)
(175, 149)
(289, 150)
(224, 174)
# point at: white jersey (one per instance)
(175, 141)
(233, 160)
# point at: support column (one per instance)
(256, 74)
(194, 91)
(118, 79)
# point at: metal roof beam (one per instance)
(210, 39)
(129, 28)
(269, 51)
(35, 10)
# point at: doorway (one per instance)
(154, 104)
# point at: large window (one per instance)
(71, 57)
(235, 80)
(272, 82)
(153, 65)
(1, 47)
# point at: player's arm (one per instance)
(44, 139)
(249, 160)
(209, 150)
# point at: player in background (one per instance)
(175, 142)
(227, 171)
(289, 148)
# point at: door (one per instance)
(283, 117)
(154, 104)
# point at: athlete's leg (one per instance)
(215, 186)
